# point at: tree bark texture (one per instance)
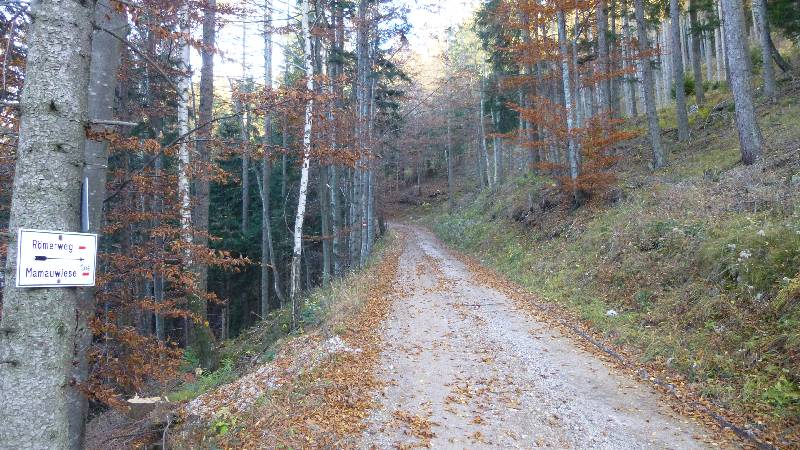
(37, 331)
(647, 85)
(205, 115)
(572, 148)
(762, 27)
(696, 58)
(677, 70)
(750, 140)
(106, 58)
(301, 201)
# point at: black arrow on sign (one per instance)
(45, 258)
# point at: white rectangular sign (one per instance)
(55, 258)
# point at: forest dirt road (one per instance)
(464, 369)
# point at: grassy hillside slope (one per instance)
(689, 268)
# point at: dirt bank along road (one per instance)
(464, 369)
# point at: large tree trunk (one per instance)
(480, 145)
(724, 55)
(684, 39)
(499, 154)
(363, 175)
(359, 187)
(482, 125)
(38, 335)
(449, 155)
(647, 84)
(495, 151)
(267, 252)
(677, 70)
(266, 170)
(335, 220)
(614, 54)
(199, 335)
(301, 200)
(578, 93)
(369, 177)
(371, 213)
(158, 275)
(696, 59)
(750, 140)
(718, 56)
(244, 115)
(665, 75)
(337, 92)
(354, 218)
(106, 58)
(630, 80)
(708, 51)
(205, 116)
(602, 52)
(325, 223)
(572, 148)
(531, 132)
(245, 137)
(762, 26)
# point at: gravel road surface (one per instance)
(464, 369)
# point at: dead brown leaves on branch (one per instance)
(596, 136)
(142, 246)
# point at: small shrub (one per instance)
(688, 86)
(716, 84)
(703, 112)
(223, 422)
(660, 234)
(206, 381)
(190, 360)
(783, 394)
(643, 299)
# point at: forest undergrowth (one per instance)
(278, 389)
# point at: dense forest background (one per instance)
(222, 201)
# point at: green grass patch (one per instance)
(205, 382)
(686, 295)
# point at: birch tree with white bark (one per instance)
(303, 194)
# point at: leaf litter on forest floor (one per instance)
(417, 426)
(318, 391)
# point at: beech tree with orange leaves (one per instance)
(558, 59)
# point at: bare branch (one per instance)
(113, 122)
